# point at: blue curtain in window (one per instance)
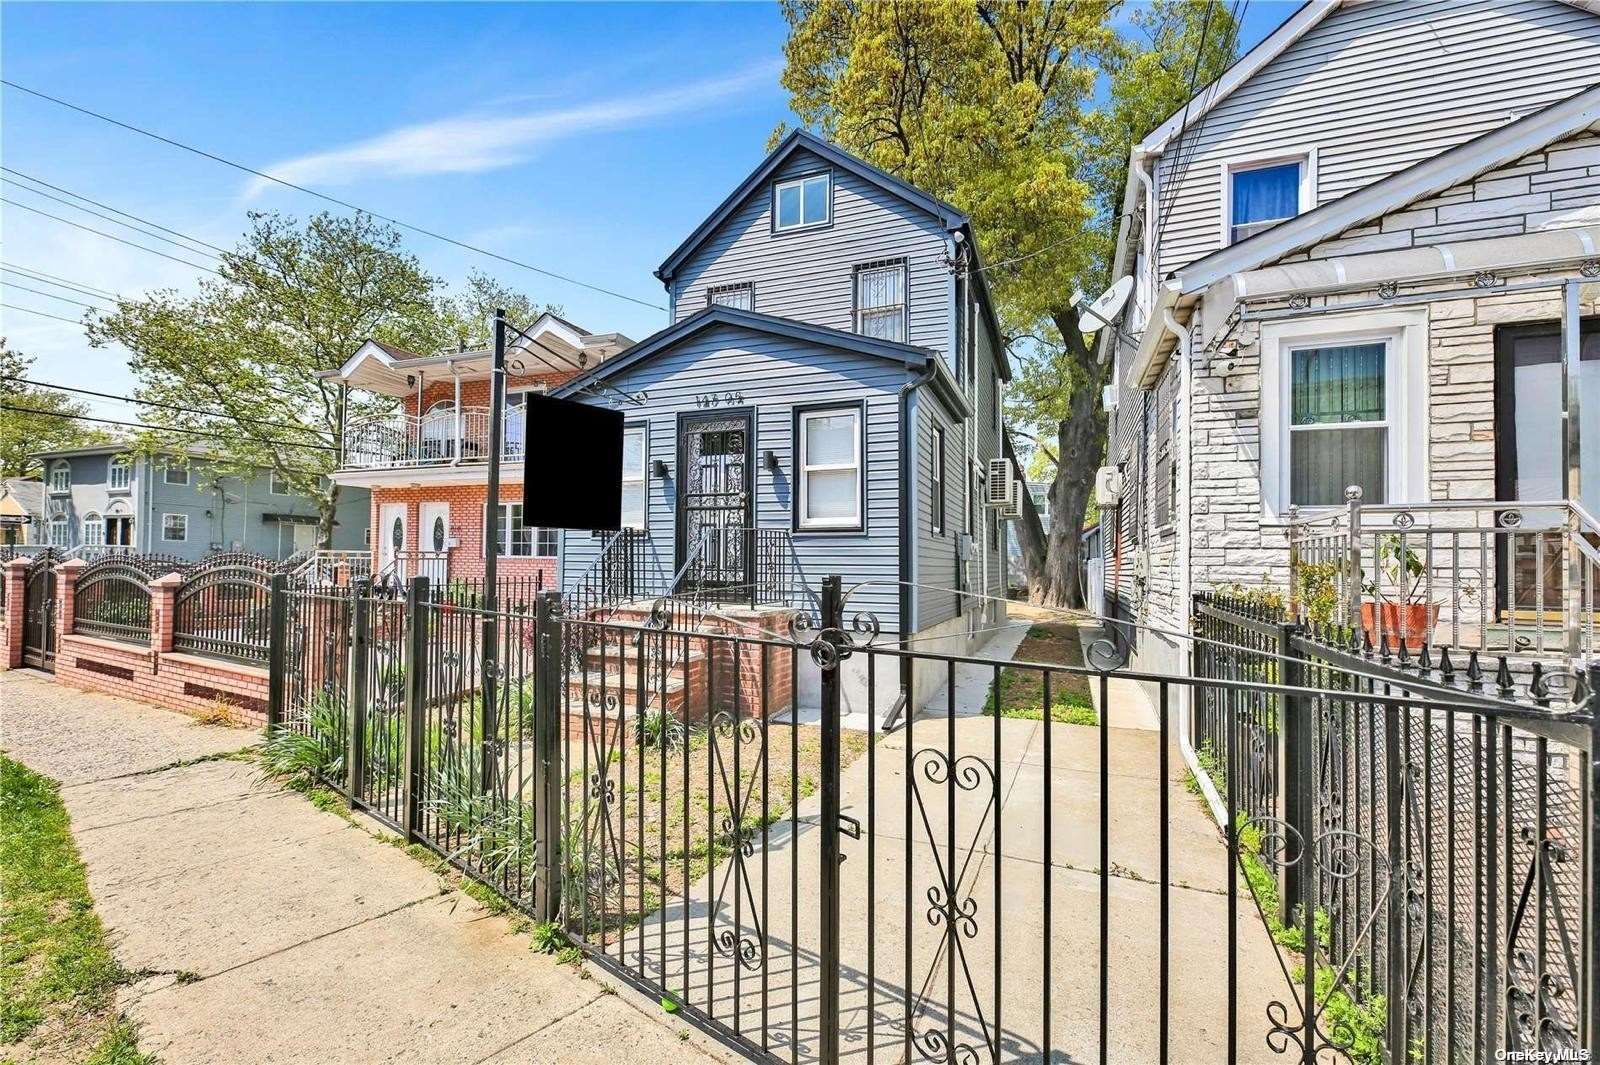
(1267, 194)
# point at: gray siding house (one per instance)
(175, 504)
(831, 379)
(1359, 257)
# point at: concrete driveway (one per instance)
(264, 930)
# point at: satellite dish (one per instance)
(1103, 310)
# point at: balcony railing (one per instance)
(441, 438)
(1515, 578)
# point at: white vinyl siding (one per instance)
(1374, 88)
(830, 469)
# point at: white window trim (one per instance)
(806, 468)
(174, 539)
(491, 531)
(827, 217)
(126, 466)
(641, 484)
(171, 468)
(1405, 401)
(64, 524)
(60, 471)
(1307, 159)
(938, 514)
(904, 306)
(272, 485)
(94, 518)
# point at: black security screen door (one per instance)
(714, 505)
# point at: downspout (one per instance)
(908, 513)
(1147, 235)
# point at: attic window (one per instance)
(1262, 196)
(742, 296)
(802, 202)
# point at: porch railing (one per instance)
(1518, 578)
(327, 566)
(441, 438)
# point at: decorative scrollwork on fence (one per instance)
(739, 774)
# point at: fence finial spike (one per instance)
(1425, 659)
(1383, 647)
(1539, 685)
(1366, 642)
(1503, 679)
(1447, 668)
(1405, 654)
(1474, 670)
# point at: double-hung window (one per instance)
(633, 479)
(174, 527)
(94, 530)
(936, 482)
(1260, 197)
(61, 477)
(830, 468)
(881, 300)
(1338, 422)
(60, 531)
(802, 202)
(513, 539)
(120, 473)
(741, 295)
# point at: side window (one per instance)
(741, 296)
(634, 484)
(1260, 197)
(175, 473)
(881, 300)
(830, 469)
(174, 527)
(120, 474)
(936, 477)
(802, 202)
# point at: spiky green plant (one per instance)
(310, 745)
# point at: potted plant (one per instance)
(1395, 605)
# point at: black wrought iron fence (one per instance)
(222, 607)
(1017, 881)
(112, 599)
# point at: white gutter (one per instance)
(1146, 367)
(1147, 235)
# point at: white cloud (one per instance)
(472, 143)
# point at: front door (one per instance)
(1529, 466)
(433, 538)
(392, 541)
(715, 504)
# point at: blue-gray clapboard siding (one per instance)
(1374, 88)
(807, 274)
(774, 376)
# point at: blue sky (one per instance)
(588, 139)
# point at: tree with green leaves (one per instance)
(36, 419)
(290, 300)
(1021, 114)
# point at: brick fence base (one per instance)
(176, 681)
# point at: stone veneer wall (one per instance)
(1558, 186)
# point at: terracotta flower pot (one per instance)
(1414, 621)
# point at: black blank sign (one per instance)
(572, 468)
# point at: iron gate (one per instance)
(716, 500)
(39, 611)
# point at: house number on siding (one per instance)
(719, 399)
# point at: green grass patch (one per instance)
(1021, 691)
(59, 975)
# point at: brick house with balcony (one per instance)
(426, 462)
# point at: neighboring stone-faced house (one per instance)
(1334, 286)
(178, 504)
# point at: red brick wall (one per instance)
(466, 525)
(11, 617)
(176, 681)
(476, 393)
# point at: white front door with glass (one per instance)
(433, 542)
(392, 541)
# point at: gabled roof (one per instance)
(909, 355)
(27, 492)
(1462, 163)
(797, 140)
(1304, 20)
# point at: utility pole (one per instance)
(491, 598)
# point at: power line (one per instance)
(41, 314)
(158, 428)
(151, 233)
(168, 406)
(330, 199)
(52, 296)
(59, 282)
(108, 207)
(108, 236)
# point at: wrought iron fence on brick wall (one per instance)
(112, 596)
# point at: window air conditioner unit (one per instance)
(1013, 507)
(1108, 486)
(999, 486)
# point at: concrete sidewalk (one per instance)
(266, 930)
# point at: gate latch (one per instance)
(849, 826)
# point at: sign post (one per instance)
(489, 650)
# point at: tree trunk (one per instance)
(327, 508)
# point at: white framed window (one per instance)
(60, 477)
(60, 531)
(1258, 194)
(513, 539)
(741, 295)
(830, 468)
(936, 482)
(94, 530)
(174, 528)
(279, 485)
(1344, 402)
(120, 473)
(881, 300)
(635, 461)
(802, 202)
(176, 474)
